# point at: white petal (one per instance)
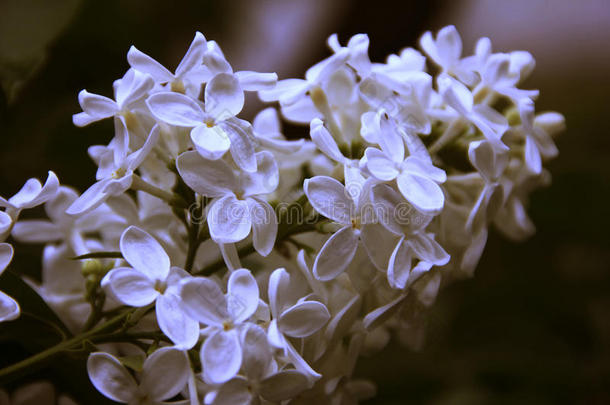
(324, 140)
(267, 122)
(33, 194)
(206, 177)
(284, 90)
(378, 243)
(179, 327)
(144, 253)
(132, 87)
(221, 357)
(390, 139)
(175, 109)
(429, 250)
(194, 56)
(145, 64)
(399, 267)
(448, 44)
(83, 119)
(423, 168)
(5, 223)
(532, 156)
(36, 231)
(456, 95)
(423, 193)
(234, 391)
(336, 254)
(97, 106)
(482, 157)
(230, 256)
(135, 159)
(329, 197)
(266, 178)
(380, 166)
(92, 198)
(283, 385)
(165, 373)
(256, 351)
(264, 225)
(254, 81)
(9, 308)
(379, 315)
(242, 146)
(132, 287)
(242, 295)
(110, 377)
(6, 255)
(229, 220)
(303, 319)
(224, 96)
(204, 301)
(277, 290)
(211, 143)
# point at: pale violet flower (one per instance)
(538, 144)
(293, 317)
(9, 308)
(189, 74)
(225, 315)
(215, 130)
(446, 51)
(261, 379)
(237, 207)
(164, 375)
(32, 194)
(130, 92)
(151, 279)
(114, 175)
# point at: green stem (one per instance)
(172, 199)
(8, 372)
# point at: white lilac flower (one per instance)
(490, 122)
(446, 52)
(267, 131)
(129, 92)
(115, 173)
(237, 207)
(293, 317)
(151, 279)
(261, 377)
(215, 130)
(538, 144)
(9, 308)
(32, 194)
(189, 75)
(415, 243)
(224, 315)
(164, 375)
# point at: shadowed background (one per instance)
(532, 327)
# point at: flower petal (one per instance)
(144, 253)
(242, 146)
(210, 178)
(6, 255)
(204, 301)
(221, 357)
(303, 319)
(224, 97)
(229, 220)
(425, 194)
(429, 250)
(211, 143)
(132, 287)
(283, 385)
(36, 231)
(145, 64)
(255, 81)
(97, 106)
(329, 197)
(9, 308)
(92, 198)
(165, 373)
(380, 166)
(242, 295)
(234, 391)
(33, 194)
(179, 327)
(194, 56)
(266, 178)
(399, 267)
(336, 254)
(175, 109)
(324, 140)
(256, 351)
(110, 377)
(264, 225)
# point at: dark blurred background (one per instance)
(532, 326)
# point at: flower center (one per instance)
(178, 86)
(160, 286)
(118, 173)
(227, 326)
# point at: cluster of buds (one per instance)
(219, 262)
